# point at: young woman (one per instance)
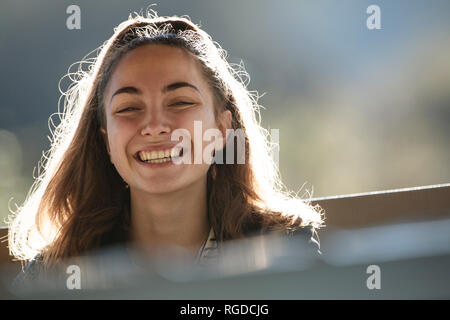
(110, 175)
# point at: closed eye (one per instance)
(181, 103)
(126, 109)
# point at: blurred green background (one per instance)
(357, 110)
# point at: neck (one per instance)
(172, 219)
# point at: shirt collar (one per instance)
(209, 250)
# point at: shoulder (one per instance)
(285, 228)
(302, 233)
(30, 273)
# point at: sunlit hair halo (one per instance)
(75, 205)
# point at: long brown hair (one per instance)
(79, 202)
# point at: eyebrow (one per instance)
(177, 85)
(131, 90)
(170, 87)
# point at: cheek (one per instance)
(204, 115)
(118, 142)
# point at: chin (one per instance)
(160, 188)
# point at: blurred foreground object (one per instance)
(404, 233)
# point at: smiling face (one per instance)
(154, 90)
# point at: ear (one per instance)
(225, 119)
(105, 139)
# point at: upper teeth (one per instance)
(159, 154)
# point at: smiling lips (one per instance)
(159, 156)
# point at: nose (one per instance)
(155, 124)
